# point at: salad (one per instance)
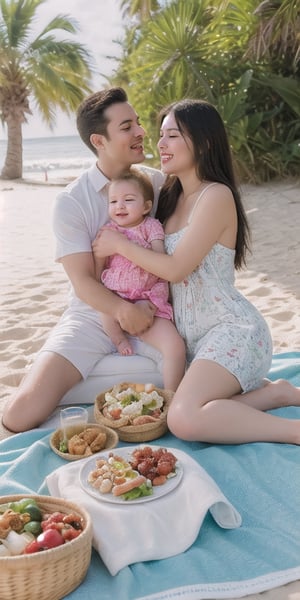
(133, 403)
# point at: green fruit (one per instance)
(34, 512)
(21, 505)
(33, 527)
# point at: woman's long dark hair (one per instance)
(201, 122)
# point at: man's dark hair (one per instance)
(91, 113)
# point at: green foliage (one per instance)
(241, 55)
(286, 87)
(142, 9)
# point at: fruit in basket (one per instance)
(24, 528)
(34, 512)
(33, 527)
(47, 574)
(51, 538)
(19, 506)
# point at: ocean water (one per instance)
(52, 157)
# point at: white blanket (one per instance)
(125, 534)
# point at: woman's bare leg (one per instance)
(41, 390)
(207, 407)
(272, 394)
(164, 336)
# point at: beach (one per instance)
(34, 288)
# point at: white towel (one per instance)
(152, 530)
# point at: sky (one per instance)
(100, 26)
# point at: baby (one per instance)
(130, 202)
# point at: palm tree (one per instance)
(215, 50)
(142, 9)
(277, 33)
(167, 60)
(39, 69)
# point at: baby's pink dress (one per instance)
(130, 281)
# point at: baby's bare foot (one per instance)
(124, 348)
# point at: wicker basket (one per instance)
(50, 574)
(56, 438)
(135, 433)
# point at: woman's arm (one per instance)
(214, 220)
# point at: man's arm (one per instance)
(99, 267)
(80, 269)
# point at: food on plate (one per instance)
(138, 404)
(157, 464)
(115, 475)
(128, 485)
(133, 478)
(85, 443)
(25, 528)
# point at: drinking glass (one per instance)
(73, 420)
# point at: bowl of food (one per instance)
(138, 412)
(52, 567)
(92, 438)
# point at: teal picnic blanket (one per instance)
(261, 480)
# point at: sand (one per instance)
(34, 288)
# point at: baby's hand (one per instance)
(136, 318)
(106, 243)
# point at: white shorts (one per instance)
(79, 337)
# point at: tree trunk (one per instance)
(13, 166)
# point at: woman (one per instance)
(223, 396)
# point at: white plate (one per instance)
(158, 491)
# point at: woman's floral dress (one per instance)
(216, 321)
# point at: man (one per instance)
(110, 127)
